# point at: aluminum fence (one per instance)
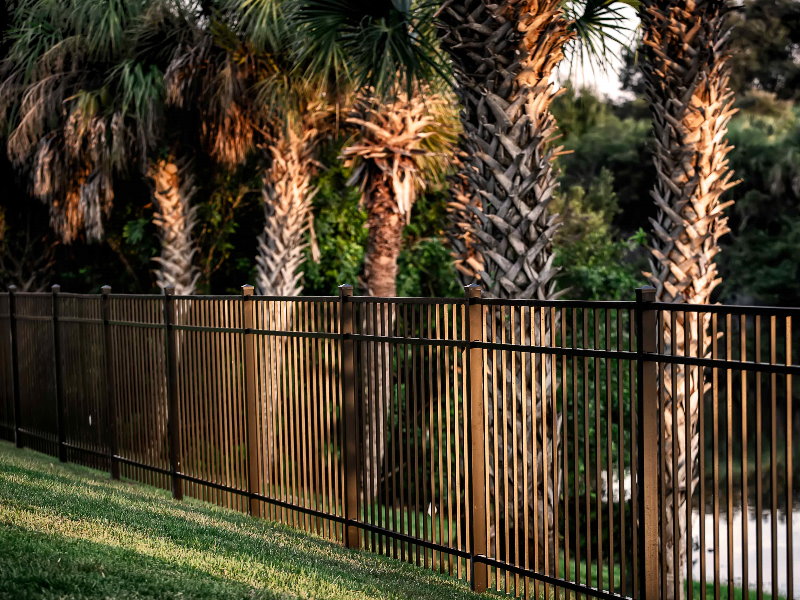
(559, 448)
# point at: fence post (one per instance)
(59, 376)
(350, 420)
(647, 443)
(251, 399)
(12, 325)
(173, 411)
(111, 407)
(477, 442)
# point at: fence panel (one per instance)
(246, 402)
(6, 384)
(37, 391)
(729, 377)
(140, 386)
(296, 348)
(559, 386)
(410, 386)
(81, 353)
(208, 356)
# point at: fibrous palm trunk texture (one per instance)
(288, 195)
(386, 159)
(175, 218)
(686, 75)
(504, 55)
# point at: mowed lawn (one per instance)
(71, 532)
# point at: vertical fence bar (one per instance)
(647, 443)
(59, 375)
(350, 421)
(111, 407)
(477, 440)
(173, 418)
(251, 399)
(12, 325)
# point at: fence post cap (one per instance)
(169, 290)
(247, 289)
(345, 289)
(12, 288)
(473, 290)
(646, 293)
(55, 288)
(105, 290)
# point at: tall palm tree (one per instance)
(504, 57)
(375, 58)
(687, 85)
(399, 141)
(82, 92)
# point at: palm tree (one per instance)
(239, 73)
(504, 57)
(377, 58)
(398, 141)
(686, 76)
(82, 92)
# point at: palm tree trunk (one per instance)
(384, 240)
(504, 54)
(287, 196)
(175, 218)
(686, 73)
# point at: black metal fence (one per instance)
(598, 449)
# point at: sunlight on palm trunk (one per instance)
(175, 218)
(686, 73)
(287, 195)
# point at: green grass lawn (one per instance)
(71, 532)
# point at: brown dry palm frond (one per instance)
(399, 145)
(217, 82)
(80, 104)
(685, 65)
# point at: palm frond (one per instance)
(263, 22)
(599, 26)
(361, 44)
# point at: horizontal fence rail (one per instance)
(538, 448)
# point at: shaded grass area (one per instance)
(70, 532)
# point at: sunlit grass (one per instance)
(70, 532)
